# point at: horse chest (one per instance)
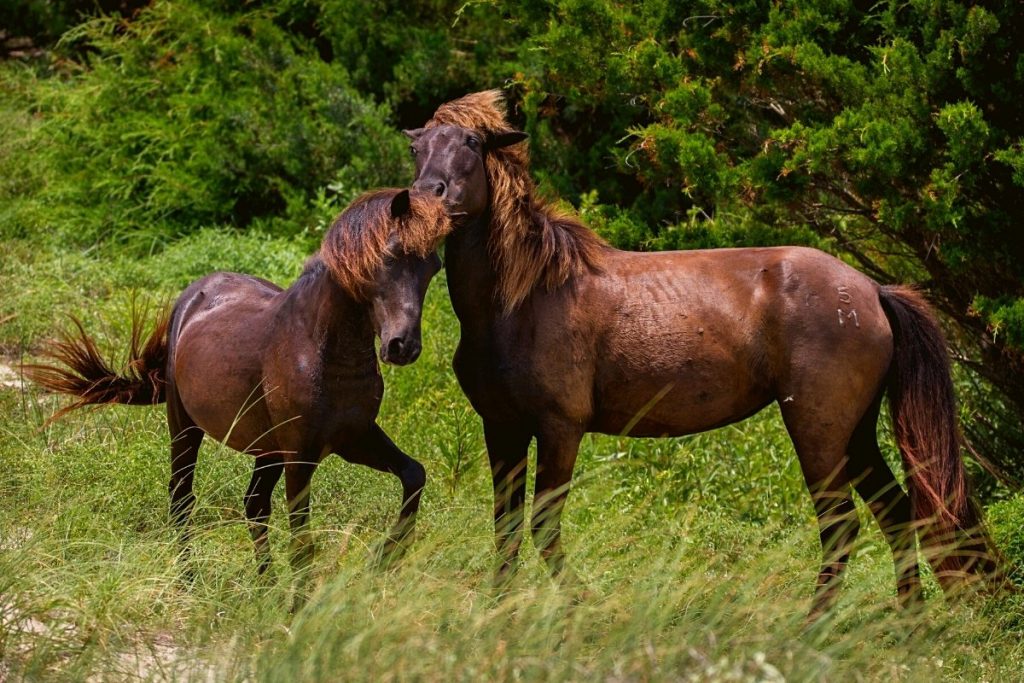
(485, 382)
(312, 402)
(350, 395)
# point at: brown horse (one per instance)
(287, 376)
(562, 335)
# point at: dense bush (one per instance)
(891, 129)
(39, 23)
(184, 118)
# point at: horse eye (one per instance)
(412, 150)
(473, 142)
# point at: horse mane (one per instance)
(359, 239)
(532, 242)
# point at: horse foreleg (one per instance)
(375, 449)
(266, 472)
(557, 447)
(506, 450)
(298, 473)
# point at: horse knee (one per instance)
(414, 478)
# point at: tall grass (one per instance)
(697, 556)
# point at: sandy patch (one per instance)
(157, 659)
(10, 376)
(15, 538)
(153, 658)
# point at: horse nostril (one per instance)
(395, 347)
(438, 187)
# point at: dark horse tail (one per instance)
(924, 420)
(80, 371)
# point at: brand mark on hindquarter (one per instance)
(848, 313)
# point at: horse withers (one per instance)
(561, 335)
(288, 376)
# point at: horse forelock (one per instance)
(359, 240)
(532, 243)
(483, 111)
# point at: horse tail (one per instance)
(79, 369)
(924, 418)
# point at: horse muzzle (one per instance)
(454, 196)
(400, 351)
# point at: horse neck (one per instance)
(472, 279)
(338, 324)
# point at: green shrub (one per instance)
(184, 118)
(43, 21)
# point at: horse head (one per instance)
(451, 164)
(396, 294)
(383, 250)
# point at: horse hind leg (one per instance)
(186, 437)
(837, 530)
(265, 474)
(823, 463)
(888, 503)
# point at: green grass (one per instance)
(697, 556)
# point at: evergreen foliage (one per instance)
(184, 118)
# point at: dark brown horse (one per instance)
(287, 376)
(562, 335)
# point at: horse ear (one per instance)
(499, 140)
(400, 204)
(413, 133)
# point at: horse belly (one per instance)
(687, 401)
(224, 399)
(669, 374)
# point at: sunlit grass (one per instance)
(696, 556)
